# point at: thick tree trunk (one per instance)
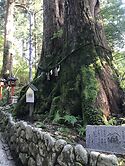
(8, 40)
(74, 42)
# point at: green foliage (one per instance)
(5, 97)
(89, 94)
(1, 50)
(90, 84)
(57, 117)
(1, 42)
(81, 130)
(113, 13)
(88, 88)
(122, 121)
(57, 34)
(21, 33)
(21, 70)
(70, 119)
(119, 64)
(55, 109)
(93, 116)
(40, 125)
(64, 130)
(21, 24)
(2, 14)
(112, 121)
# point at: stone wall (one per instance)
(37, 148)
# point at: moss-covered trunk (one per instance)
(74, 74)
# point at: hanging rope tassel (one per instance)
(56, 72)
(58, 68)
(51, 72)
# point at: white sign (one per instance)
(30, 96)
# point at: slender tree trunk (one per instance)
(74, 74)
(8, 40)
(7, 68)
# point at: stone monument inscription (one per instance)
(106, 138)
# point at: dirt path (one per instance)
(5, 156)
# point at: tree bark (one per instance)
(8, 40)
(74, 42)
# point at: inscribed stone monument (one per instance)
(106, 138)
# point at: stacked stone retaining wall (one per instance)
(37, 148)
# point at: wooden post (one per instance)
(31, 108)
(12, 90)
(0, 93)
